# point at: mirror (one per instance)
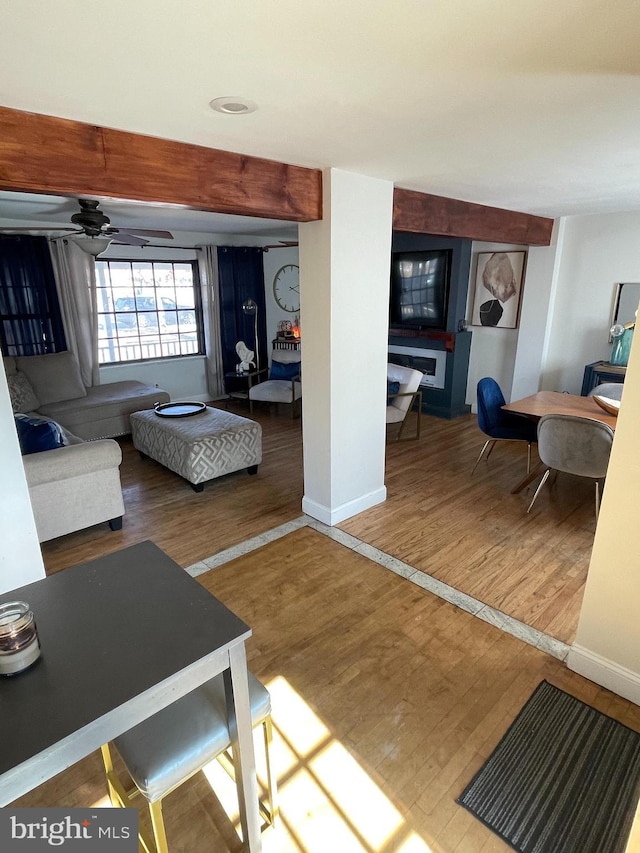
(625, 303)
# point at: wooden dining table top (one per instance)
(557, 403)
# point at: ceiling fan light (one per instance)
(92, 245)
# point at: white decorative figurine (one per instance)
(246, 357)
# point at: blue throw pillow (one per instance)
(392, 388)
(37, 434)
(280, 370)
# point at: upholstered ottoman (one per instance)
(199, 447)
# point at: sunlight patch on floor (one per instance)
(327, 800)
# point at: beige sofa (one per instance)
(78, 485)
(51, 385)
(75, 486)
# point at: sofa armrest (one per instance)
(73, 460)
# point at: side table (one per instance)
(237, 384)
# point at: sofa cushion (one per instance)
(9, 364)
(23, 398)
(105, 410)
(54, 376)
(393, 388)
(37, 434)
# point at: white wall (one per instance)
(597, 252)
(493, 350)
(20, 555)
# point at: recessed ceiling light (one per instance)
(233, 106)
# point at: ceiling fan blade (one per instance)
(146, 232)
(126, 239)
(26, 229)
(281, 245)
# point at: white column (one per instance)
(20, 555)
(344, 292)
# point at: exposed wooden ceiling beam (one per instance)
(51, 155)
(45, 154)
(431, 214)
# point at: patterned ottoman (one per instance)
(201, 446)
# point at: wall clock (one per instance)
(286, 288)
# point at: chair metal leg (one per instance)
(597, 498)
(489, 441)
(540, 485)
(157, 822)
(272, 793)
(528, 457)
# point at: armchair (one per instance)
(284, 382)
(401, 401)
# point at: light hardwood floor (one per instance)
(386, 700)
(470, 533)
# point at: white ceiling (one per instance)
(530, 105)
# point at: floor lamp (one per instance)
(250, 306)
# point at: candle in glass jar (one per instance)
(19, 645)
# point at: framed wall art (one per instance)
(498, 289)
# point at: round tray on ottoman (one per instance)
(178, 410)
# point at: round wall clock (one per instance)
(286, 288)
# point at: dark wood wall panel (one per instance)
(52, 155)
(431, 214)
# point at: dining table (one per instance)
(122, 637)
(543, 403)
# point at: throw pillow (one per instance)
(37, 434)
(54, 377)
(23, 398)
(392, 388)
(284, 371)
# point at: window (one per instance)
(147, 309)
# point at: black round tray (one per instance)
(178, 410)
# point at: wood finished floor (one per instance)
(386, 700)
(470, 533)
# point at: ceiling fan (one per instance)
(281, 244)
(95, 231)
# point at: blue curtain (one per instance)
(240, 277)
(30, 319)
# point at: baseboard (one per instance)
(606, 673)
(334, 516)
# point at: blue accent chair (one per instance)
(499, 425)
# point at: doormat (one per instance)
(564, 779)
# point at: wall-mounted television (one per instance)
(420, 289)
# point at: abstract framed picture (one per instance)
(498, 289)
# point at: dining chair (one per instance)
(167, 749)
(612, 390)
(403, 390)
(574, 445)
(499, 425)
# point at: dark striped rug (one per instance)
(564, 779)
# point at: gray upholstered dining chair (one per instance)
(612, 390)
(170, 747)
(580, 446)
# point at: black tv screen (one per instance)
(420, 289)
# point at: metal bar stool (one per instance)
(173, 745)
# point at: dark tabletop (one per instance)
(109, 629)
